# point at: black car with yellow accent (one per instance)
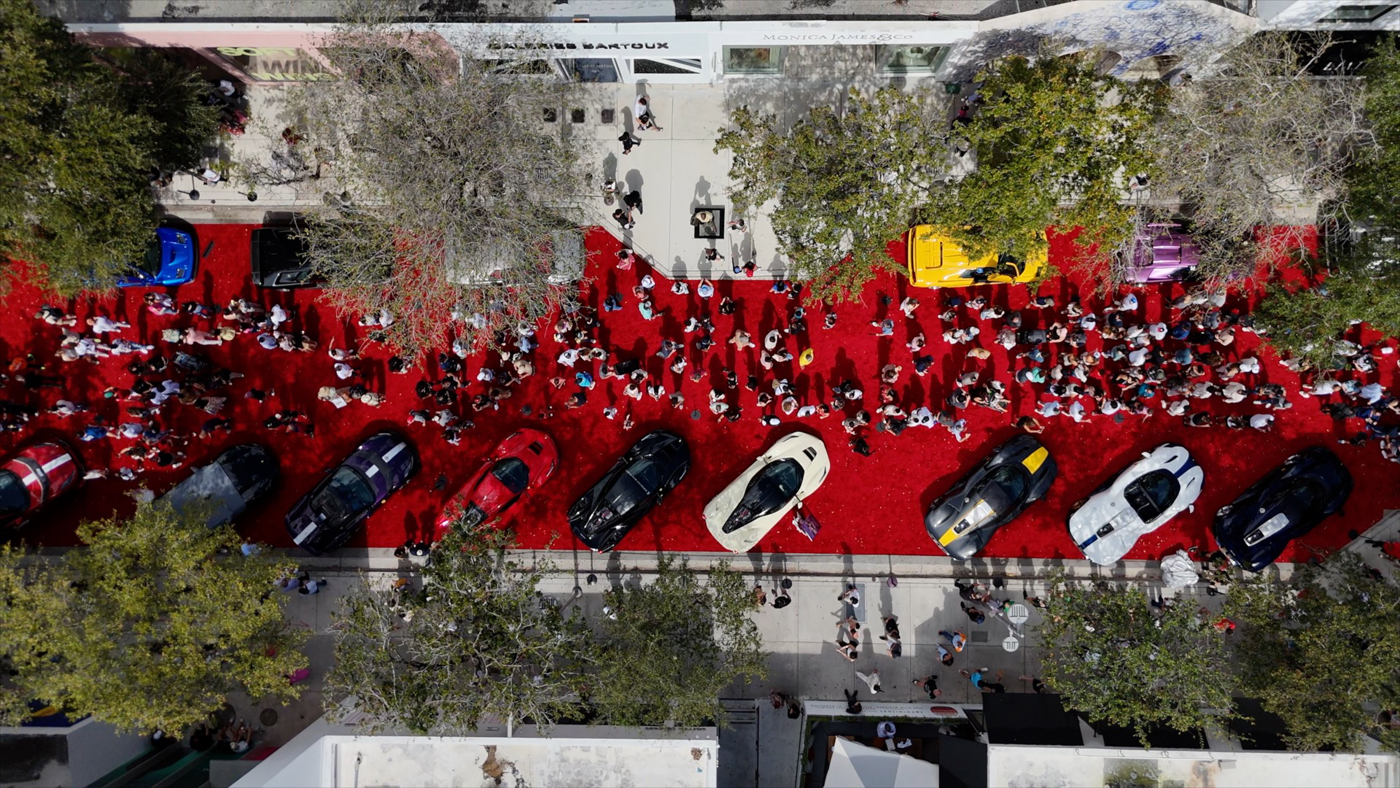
(1016, 475)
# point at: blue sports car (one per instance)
(1309, 487)
(170, 260)
(327, 517)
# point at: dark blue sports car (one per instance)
(1308, 488)
(327, 517)
(169, 260)
(635, 483)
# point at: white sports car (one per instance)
(746, 510)
(1145, 495)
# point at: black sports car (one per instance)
(1309, 487)
(279, 259)
(636, 482)
(1015, 476)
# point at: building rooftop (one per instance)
(1009, 765)
(332, 755)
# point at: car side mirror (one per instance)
(1146, 454)
(1191, 508)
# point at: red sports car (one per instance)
(523, 461)
(34, 475)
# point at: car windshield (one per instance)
(1152, 493)
(513, 473)
(768, 491)
(351, 489)
(150, 261)
(14, 499)
(1007, 484)
(645, 474)
(1302, 496)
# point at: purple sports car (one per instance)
(328, 515)
(1161, 253)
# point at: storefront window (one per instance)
(591, 69)
(275, 64)
(753, 60)
(667, 66)
(911, 60)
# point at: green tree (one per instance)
(1054, 142)
(1372, 180)
(1117, 661)
(1319, 651)
(78, 146)
(843, 182)
(671, 647)
(479, 641)
(1305, 321)
(149, 626)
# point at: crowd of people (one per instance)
(1069, 361)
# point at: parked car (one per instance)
(934, 260)
(34, 475)
(327, 517)
(228, 485)
(279, 258)
(1013, 477)
(1290, 501)
(171, 259)
(636, 483)
(1161, 252)
(1138, 501)
(745, 511)
(523, 461)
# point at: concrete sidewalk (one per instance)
(675, 168)
(801, 637)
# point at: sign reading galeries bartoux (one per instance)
(580, 45)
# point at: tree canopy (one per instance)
(458, 199)
(1319, 651)
(150, 626)
(1254, 143)
(79, 145)
(478, 642)
(671, 647)
(1118, 661)
(842, 182)
(1055, 142)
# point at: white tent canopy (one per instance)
(855, 765)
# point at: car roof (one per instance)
(209, 485)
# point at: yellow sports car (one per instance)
(935, 261)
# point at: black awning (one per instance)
(1025, 718)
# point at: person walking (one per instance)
(306, 585)
(871, 679)
(957, 639)
(929, 685)
(973, 614)
(852, 704)
(628, 142)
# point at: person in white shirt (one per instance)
(105, 325)
(1261, 421)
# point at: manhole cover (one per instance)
(695, 414)
(609, 115)
(268, 717)
(979, 637)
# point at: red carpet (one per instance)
(868, 505)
